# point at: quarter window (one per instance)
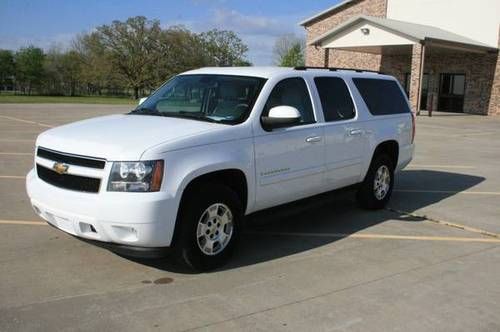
(292, 92)
(335, 98)
(383, 97)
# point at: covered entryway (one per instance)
(439, 70)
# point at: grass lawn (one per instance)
(11, 99)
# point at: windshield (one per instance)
(213, 98)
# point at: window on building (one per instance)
(291, 92)
(335, 98)
(383, 97)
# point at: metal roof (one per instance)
(324, 12)
(418, 32)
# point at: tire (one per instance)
(374, 195)
(199, 234)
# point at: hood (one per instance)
(120, 137)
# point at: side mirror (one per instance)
(143, 99)
(281, 116)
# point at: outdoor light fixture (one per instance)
(365, 31)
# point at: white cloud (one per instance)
(258, 32)
(61, 40)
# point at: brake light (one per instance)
(413, 126)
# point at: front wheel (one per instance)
(209, 226)
(376, 189)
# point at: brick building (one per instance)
(444, 52)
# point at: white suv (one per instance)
(215, 144)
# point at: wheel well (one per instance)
(233, 178)
(391, 148)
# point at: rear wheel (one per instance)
(209, 226)
(376, 189)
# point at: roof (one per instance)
(272, 72)
(264, 72)
(419, 32)
(326, 11)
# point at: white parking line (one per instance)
(17, 177)
(26, 121)
(22, 222)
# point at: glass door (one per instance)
(451, 93)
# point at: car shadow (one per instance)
(268, 235)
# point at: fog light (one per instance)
(87, 228)
(128, 234)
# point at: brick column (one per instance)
(494, 106)
(417, 69)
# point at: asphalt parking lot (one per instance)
(430, 262)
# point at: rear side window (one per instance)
(335, 98)
(383, 97)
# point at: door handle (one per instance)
(355, 132)
(313, 139)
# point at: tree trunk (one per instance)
(136, 92)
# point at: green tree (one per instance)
(132, 48)
(178, 50)
(289, 51)
(223, 48)
(62, 71)
(96, 68)
(29, 67)
(294, 57)
(7, 68)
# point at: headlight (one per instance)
(136, 176)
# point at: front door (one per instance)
(451, 93)
(289, 161)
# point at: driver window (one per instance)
(292, 92)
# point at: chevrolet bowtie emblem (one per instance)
(60, 168)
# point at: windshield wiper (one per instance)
(200, 116)
(146, 111)
(180, 114)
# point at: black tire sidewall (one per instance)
(193, 207)
(366, 195)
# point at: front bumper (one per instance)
(123, 219)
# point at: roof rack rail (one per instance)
(336, 68)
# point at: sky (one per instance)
(45, 23)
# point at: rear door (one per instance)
(345, 135)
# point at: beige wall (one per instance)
(354, 37)
(476, 19)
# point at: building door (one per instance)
(425, 89)
(451, 93)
